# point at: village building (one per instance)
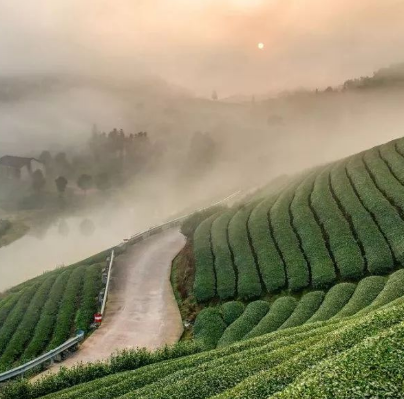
(19, 168)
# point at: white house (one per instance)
(19, 168)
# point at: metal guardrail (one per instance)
(104, 300)
(49, 356)
(172, 223)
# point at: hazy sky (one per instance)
(205, 44)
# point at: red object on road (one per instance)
(98, 318)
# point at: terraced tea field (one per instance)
(338, 223)
(44, 312)
(298, 294)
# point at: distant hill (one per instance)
(390, 77)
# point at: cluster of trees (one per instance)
(108, 159)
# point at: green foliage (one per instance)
(343, 245)
(378, 255)
(334, 301)
(366, 291)
(23, 333)
(249, 285)
(209, 327)
(270, 262)
(231, 311)
(67, 308)
(205, 279)
(306, 307)
(371, 369)
(297, 270)
(252, 315)
(225, 273)
(278, 313)
(15, 316)
(190, 224)
(313, 245)
(386, 182)
(275, 379)
(88, 304)
(46, 324)
(393, 289)
(386, 216)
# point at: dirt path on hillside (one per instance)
(141, 309)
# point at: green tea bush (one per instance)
(386, 182)
(68, 307)
(378, 255)
(89, 297)
(321, 265)
(386, 216)
(46, 324)
(342, 243)
(306, 307)
(209, 327)
(15, 316)
(270, 262)
(205, 280)
(23, 333)
(225, 273)
(395, 161)
(297, 271)
(190, 224)
(275, 379)
(372, 369)
(249, 284)
(335, 299)
(366, 291)
(278, 313)
(393, 289)
(231, 311)
(252, 315)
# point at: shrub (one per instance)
(15, 316)
(366, 291)
(46, 324)
(270, 261)
(378, 255)
(386, 216)
(343, 245)
(23, 333)
(305, 308)
(393, 289)
(251, 316)
(189, 225)
(371, 369)
(68, 307)
(209, 327)
(334, 301)
(313, 245)
(89, 298)
(231, 311)
(249, 285)
(205, 280)
(224, 267)
(278, 313)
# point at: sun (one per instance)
(261, 46)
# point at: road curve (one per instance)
(141, 309)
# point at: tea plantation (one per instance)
(300, 294)
(42, 313)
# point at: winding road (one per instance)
(141, 309)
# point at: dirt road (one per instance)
(141, 309)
